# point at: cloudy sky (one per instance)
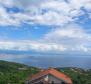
(58, 26)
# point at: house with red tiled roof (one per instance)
(49, 76)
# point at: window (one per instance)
(39, 83)
(52, 82)
(63, 83)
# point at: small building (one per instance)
(49, 76)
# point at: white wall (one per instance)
(52, 78)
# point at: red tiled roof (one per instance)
(53, 72)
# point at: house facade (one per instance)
(50, 76)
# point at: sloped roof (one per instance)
(53, 72)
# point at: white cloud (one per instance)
(71, 38)
(77, 4)
(7, 3)
(6, 19)
(15, 19)
(30, 45)
(69, 31)
(55, 13)
(51, 18)
(58, 12)
(49, 12)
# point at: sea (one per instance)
(50, 60)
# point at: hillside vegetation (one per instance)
(15, 73)
(78, 75)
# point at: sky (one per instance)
(46, 26)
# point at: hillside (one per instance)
(15, 73)
(78, 75)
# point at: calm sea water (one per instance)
(51, 61)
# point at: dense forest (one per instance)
(15, 73)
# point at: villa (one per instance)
(49, 76)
